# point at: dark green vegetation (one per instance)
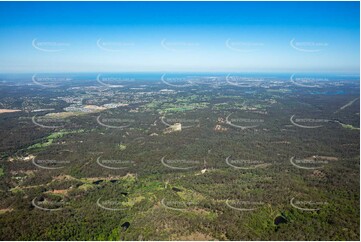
(58, 183)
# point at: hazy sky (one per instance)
(183, 36)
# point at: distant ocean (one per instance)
(156, 76)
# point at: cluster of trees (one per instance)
(269, 187)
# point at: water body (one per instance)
(98, 182)
(176, 189)
(280, 220)
(125, 226)
(339, 92)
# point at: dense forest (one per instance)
(250, 163)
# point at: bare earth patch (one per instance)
(63, 191)
(4, 210)
(9, 110)
(197, 236)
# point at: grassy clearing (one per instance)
(50, 139)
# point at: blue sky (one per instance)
(179, 36)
